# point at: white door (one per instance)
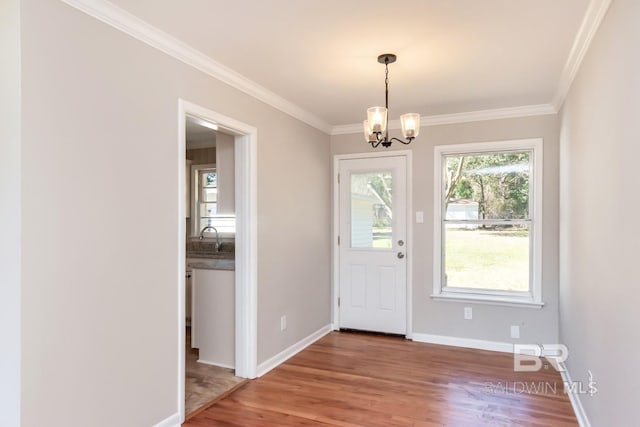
(372, 247)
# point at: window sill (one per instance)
(489, 299)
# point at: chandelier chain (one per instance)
(386, 84)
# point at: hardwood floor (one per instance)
(348, 379)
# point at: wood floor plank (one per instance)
(349, 380)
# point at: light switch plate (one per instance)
(419, 217)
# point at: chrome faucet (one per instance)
(218, 244)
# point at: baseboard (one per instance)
(220, 365)
(503, 347)
(576, 403)
(291, 351)
(172, 421)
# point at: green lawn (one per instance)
(487, 259)
(382, 237)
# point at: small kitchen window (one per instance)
(205, 196)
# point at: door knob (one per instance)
(400, 255)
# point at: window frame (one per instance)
(533, 298)
(196, 192)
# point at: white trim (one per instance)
(335, 288)
(246, 309)
(574, 398)
(135, 27)
(410, 253)
(465, 117)
(182, 236)
(210, 363)
(488, 299)
(171, 421)
(593, 17)
(292, 350)
(503, 347)
(535, 144)
(12, 312)
(246, 246)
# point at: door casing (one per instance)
(246, 288)
(335, 227)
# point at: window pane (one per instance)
(495, 258)
(487, 186)
(209, 194)
(208, 209)
(209, 179)
(371, 210)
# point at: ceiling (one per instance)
(454, 56)
(198, 136)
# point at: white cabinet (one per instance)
(213, 316)
(187, 188)
(188, 298)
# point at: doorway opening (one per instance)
(217, 254)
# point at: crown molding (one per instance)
(593, 17)
(128, 23)
(471, 116)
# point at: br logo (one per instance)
(528, 357)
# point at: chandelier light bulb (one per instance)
(410, 124)
(377, 118)
(369, 136)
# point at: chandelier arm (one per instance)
(374, 144)
(404, 142)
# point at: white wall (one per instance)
(100, 276)
(489, 322)
(600, 243)
(10, 213)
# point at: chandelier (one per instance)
(376, 131)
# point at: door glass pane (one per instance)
(371, 210)
(491, 257)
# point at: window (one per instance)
(205, 196)
(205, 204)
(488, 231)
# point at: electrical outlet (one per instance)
(515, 331)
(283, 322)
(468, 313)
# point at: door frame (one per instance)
(246, 202)
(335, 227)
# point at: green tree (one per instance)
(498, 182)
